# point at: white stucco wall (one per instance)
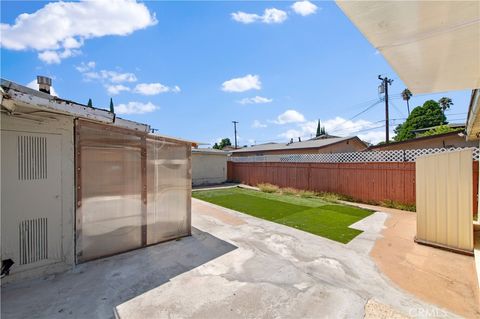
(208, 168)
(62, 127)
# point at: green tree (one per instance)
(320, 130)
(442, 129)
(112, 110)
(445, 103)
(223, 143)
(406, 95)
(428, 115)
(90, 104)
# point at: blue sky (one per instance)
(189, 68)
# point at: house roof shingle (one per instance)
(319, 143)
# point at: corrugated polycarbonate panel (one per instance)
(444, 199)
(109, 201)
(169, 190)
(132, 190)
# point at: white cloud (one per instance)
(55, 57)
(304, 8)
(84, 67)
(114, 76)
(59, 29)
(258, 124)
(116, 88)
(135, 108)
(244, 17)
(49, 57)
(270, 16)
(109, 76)
(155, 88)
(289, 134)
(255, 100)
(248, 82)
(289, 116)
(343, 127)
(365, 130)
(111, 80)
(34, 85)
(374, 137)
(274, 16)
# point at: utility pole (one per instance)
(235, 131)
(385, 83)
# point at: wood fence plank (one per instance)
(362, 181)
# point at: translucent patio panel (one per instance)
(132, 190)
(169, 190)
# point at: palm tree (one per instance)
(445, 103)
(406, 95)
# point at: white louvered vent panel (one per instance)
(32, 157)
(33, 240)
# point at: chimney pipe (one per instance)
(44, 83)
(299, 139)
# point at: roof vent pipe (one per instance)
(44, 83)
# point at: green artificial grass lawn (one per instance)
(312, 215)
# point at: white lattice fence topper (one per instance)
(356, 157)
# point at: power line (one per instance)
(371, 128)
(356, 115)
(398, 109)
(365, 110)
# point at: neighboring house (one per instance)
(313, 146)
(79, 183)
(446, 140)
(230, 148)
(209, 166)
(473, 119)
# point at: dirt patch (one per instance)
(206, 209)
(440, 277)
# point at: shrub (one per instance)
(392, 204)
(307, 194)
(268, 188)
(333, 197)
(289, 191)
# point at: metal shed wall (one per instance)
(37, 204)
(444, 200)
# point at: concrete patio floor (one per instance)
(429, 273)
(234, 266)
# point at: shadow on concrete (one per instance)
(93, 289)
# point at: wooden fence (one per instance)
(366, 182)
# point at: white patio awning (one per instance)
(433, 46)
